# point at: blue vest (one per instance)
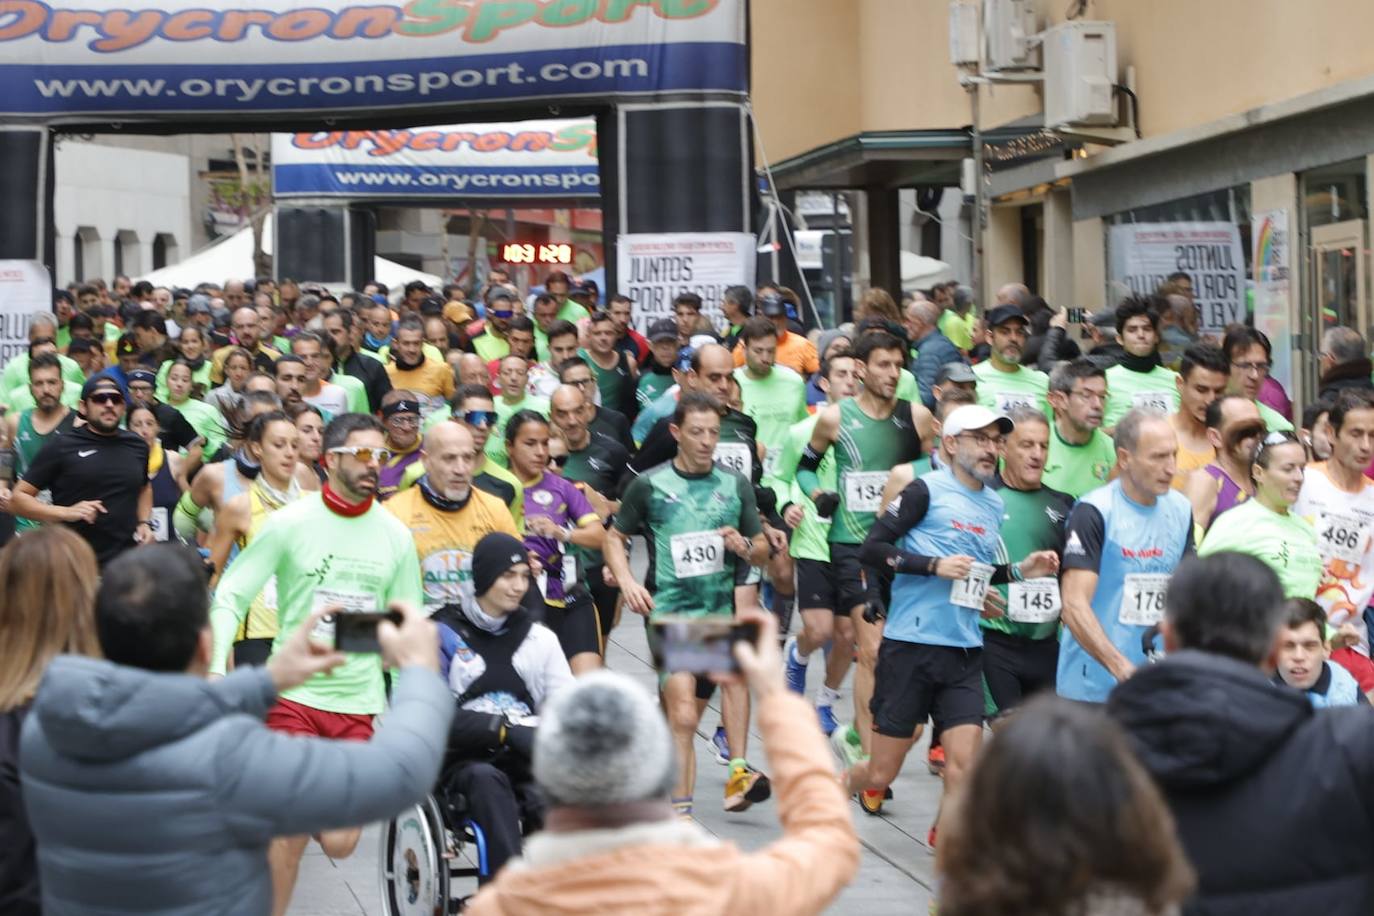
(1343, 690)
(1137, 539)
(959, 521)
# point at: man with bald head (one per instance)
(247, 330)
(235, 294)
(1016, 294)
(447, 514)
(470, 369)
(600, 467)
(933, 348)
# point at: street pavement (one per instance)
(896, 870)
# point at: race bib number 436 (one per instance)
(735, 456)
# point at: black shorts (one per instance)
(851, 589)
(576, 626)
(604, 597)
(252, 652)
(817, 588)
(1015, 667)
(914, 682)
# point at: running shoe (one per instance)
(796, 668)
(828, 721)
(722, 746)
(871, 800)
(746, 786)
(935, 761)
(845, 742)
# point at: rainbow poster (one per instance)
(1272, 262)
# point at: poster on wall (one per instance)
(551, 159)
(25, 288)
(654, 268)
(1143, 255)
(1269, 229)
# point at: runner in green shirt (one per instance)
(31, 428)
(657, 376)
(1265, 527)
(1021, 648)
(514, 377)
(701, 522)
(1081, 455)
(615, 372)
(1139, 380)
(774, 396)
(1003, 383)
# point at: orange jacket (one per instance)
(794, 351)
(674, 868)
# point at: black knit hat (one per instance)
(495, 554)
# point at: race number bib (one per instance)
(1342, 537)
(863, 490)
(1142, 599)
(770, 462)
(1007, 401)
(699, 553)
(736, 457)
(269, 594)
(160, 527)
(569, 571)
(1033, 601)
(351, 602)
(1153, 400)
(971, 591)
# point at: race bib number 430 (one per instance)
(699, 553)
(863, 490)
(1142, 599)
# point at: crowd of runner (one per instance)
(962, 506)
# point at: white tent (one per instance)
(232, 258)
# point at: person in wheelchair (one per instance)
(502, 666)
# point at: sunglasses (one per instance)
(106, 398)
(363, 453)
(558, 461)
(502, 313)
(479, 417)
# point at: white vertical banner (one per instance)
(1143, 255)
(1273, 304)
(655, 268)
(25, 288)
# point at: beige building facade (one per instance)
(1256, 115)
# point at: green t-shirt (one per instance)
(16, 373)
(199, 376)
(321, 558)
(573, 312)
(1004, 391)
(775, 403)
(1274, 421)
(488, 346)
(690, 571)
(865, 451)
(958, 328)
(354, 390)
(1076, 469)
(1286, 543)
(496, 442)
(22, 398)
(206, 421)
(811, 538)
(1032, 520)
(617, 385)
(1126, 388)
(651, 386)
(907, 389)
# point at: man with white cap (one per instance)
(940, 538)
(611, 844)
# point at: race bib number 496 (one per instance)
(1341, 537)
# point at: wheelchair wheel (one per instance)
(414, 871)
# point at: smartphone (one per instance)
(357, 632)
(699, 645)
(1078, 316)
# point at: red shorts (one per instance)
(296, 719)
(1358, 665)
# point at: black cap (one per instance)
(100, 383)
(663, 329)
(772, 306)
(1001, 314)
(955, 371)
(494, 554)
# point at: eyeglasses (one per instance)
(994, 441)
(579, 381)
(106, 398)
(1253, 368)
(479, 417)
(363, 453)
(1090, 396)
(403, 420)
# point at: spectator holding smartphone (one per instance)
(604, 760)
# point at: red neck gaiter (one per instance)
(338, 504)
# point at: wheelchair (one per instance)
(432, 856)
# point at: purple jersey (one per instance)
(560, 500)
(1229, 493)
(390, 474)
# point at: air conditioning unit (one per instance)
(1009, 35)
(1080, 72)
(963, 32)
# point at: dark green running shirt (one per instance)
(1033, 520)
(690, 571)
(866, 450)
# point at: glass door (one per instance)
(1338, 280)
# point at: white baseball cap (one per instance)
(974, 416)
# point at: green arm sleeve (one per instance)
(185, 518)
(240, 584)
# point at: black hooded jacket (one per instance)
(1274, 801)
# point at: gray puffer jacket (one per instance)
(159, 793)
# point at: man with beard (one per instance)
(339, 551)
(247, 329)
(31, 429)
(1003, 383)
(1081, 455)
(342, 325)
(1234, 428)
(98, 475)
(940, 538)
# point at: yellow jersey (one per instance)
(445, 539)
